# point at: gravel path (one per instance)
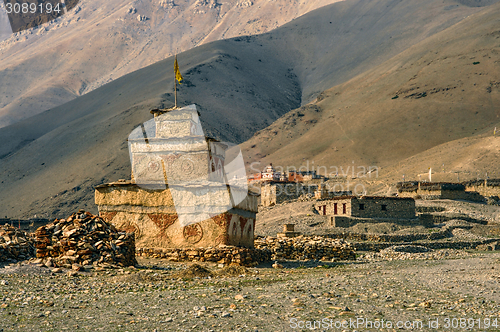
(154, 297)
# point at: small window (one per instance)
(384, 207)
(361, 206)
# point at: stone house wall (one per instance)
(368, 207)
(486, 188)
(277, 193)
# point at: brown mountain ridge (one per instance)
(435, 103)
(49, 163)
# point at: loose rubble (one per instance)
(304, 248)
(15, 244)
(82, 241)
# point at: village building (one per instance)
(486, 187)
(277, 193)
(345, 210)
(274, 193)
(437, 190)
(270, 174)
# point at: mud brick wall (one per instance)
(223, 255)
(152, 216)
(84, 239)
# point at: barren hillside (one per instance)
(50, 162)
(444, 89)
(99, 41)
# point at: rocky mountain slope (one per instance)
(100, 41)
(433, 104)
(50, 162)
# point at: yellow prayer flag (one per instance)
(177, 72)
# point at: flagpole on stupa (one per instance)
(177, 77)
(175, 82)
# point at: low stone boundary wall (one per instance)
(444, 217)
(350, 236)
(303, 248)
(429, 209)
(346, 221)
(370, 246)
(223, 255)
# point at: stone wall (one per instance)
(454, 191)
(221, 255)
(368, 207)
(304, 248)
(340, 206)
(277, 193)
(383, 207)
(486, 188)
(347, 221)
(436, 245)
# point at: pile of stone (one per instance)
(83, 241)
(306, 248)
(15, 244)
(228, 255)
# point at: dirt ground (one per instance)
(165, 296)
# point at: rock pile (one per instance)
(83, 240)
(221, 254)
(303, 248)
(15, 244)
